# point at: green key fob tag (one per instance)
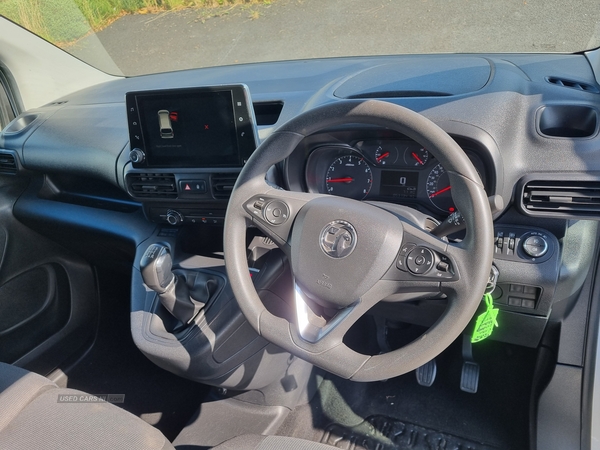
(486, 321)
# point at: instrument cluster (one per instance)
(393, 170)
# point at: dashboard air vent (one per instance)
(562, 198)
(573, 84)
(222, 184)
(267, 113)
(152, 185)
(8, 164)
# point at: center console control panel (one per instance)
(185, 215)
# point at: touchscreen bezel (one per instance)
(243, 135)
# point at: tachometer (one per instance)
(349, 176)
(438, 189)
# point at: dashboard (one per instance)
(523, 133)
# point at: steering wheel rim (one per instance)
(471, 258)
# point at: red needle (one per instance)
(380, 157)
(419, 160)
(341, 180)
(441, 191)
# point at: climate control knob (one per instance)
(137, 156)
(174, 217)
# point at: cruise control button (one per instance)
(443, 266)
(420, 260)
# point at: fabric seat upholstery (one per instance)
(31, 417)
(256, 442)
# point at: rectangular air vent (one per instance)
(152, 185)
(573, 84)
(222, 184)
(267, 113)
(562, 198)
(8, 164)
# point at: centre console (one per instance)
(187, 147)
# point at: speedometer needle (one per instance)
(382, 156)
(441, 191)
(419, 160)
(341, 180)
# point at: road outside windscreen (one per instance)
(296, 29)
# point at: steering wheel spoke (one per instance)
(423, 259)
(312, 322)
(274, 210)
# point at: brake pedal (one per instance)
(426, 373)
(469, 378)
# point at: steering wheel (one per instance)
(346, 255)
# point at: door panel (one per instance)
(48, 299)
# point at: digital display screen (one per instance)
(399, 184)
(186, 128)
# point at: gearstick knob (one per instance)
(173, 292)
(155, 266)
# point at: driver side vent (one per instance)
(222, 184)
(152, 185)
(8, 164)
(579, 199)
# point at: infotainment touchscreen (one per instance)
(196, 127)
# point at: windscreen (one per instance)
(134, 37)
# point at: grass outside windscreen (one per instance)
(65, 21)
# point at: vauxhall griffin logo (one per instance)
(338, 239)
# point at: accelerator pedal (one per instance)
(426, 373)
(469, 378)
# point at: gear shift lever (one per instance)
(156, 267)
(172, 290)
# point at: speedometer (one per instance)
(349, 176)
(438, 189)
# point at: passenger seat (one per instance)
(36, 414)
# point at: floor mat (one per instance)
(497, 416)
(385, 433)
(114, 365)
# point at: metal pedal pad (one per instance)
(426, 373)
(469, 378)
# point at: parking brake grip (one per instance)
(173, 288)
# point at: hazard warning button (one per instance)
(192, 186)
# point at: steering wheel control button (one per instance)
(420, 260)
(535, 246)
(404, 251)
(406, 248)
(443, 266)
(338, 239)
(275, 212)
